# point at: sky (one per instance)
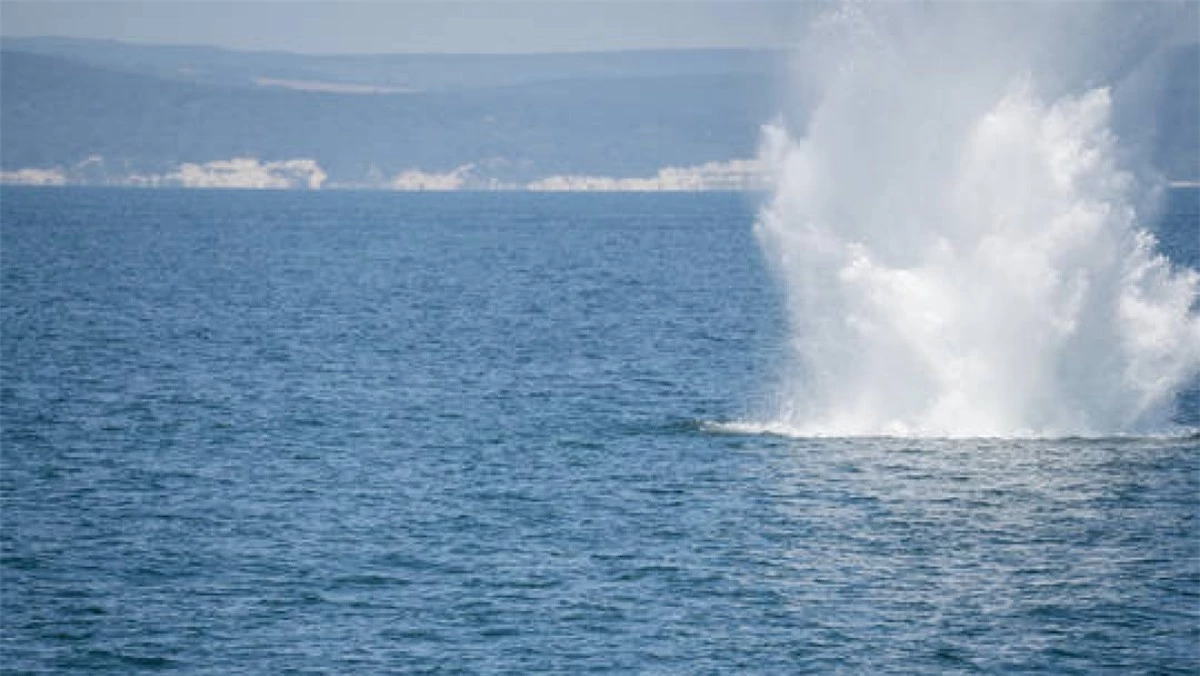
(366, 26)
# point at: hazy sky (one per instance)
(357, 26)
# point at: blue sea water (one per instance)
(263, 433)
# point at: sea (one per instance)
(256, 432)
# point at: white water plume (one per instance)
(961, 233)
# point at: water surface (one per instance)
(368, 433)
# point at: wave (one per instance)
(784, 429)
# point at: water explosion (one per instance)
(961, 232)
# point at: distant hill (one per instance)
(112, 109)
(55, 110)
(1177, 149)
(419, 72)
